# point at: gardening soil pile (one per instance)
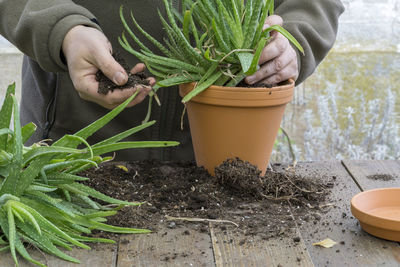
(237, 198)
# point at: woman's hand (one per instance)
(88, 50)
(278, 61)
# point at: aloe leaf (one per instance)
(57, 203)
(44, 243)
(6, 131)
(186, 24)
(245, 60)
(92, 239)
(28, 216)
(5, 114)
(73, 189)
(201, 87)
(236, 15)
(100, 214)
(174, 48)
(16, 214)
(286, 34)
(59, 242)
(50, 227)
(248, 12)
(173, 63)
(11, 181)
(41, 188)
(40, 151)
(2, 242)
(18, 244)
(176, 40)
(256, 58)
(133, 36)
(270, 4)
(219, 38)
(237, 34)
(27, 131)
(253, 24)
(110, 228)
(47, 211)
(89, 202)
(258, 32)
(124, 134)
(65, 177)
(177, 80)
(182, 40)
(96, 194)
(150, 38)
(4, 248)
(99, 150)
(95, 126)
(194, 30)
(11, 232)
(65, 164)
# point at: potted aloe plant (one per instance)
(212, 46)
(42, 201)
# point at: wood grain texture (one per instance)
(364, 170)
(234, 249)
(168, 247)
(355, 247)
(100, 255)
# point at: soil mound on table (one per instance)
(261, 206)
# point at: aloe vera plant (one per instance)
(210, 42)
(42, 201)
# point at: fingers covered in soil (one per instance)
(134, 79)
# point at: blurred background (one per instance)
(348, 109)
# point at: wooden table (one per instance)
(214, 247)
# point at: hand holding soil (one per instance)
(87, 51)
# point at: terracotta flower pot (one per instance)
(229, 122)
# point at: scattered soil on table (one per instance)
(260, 206)
(381, 177)
(106, 85)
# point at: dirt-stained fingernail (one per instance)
(119, 78)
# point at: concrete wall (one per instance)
(10, 67)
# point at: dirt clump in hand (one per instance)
(106, 85)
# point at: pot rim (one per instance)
(368, 217)
(242, 96)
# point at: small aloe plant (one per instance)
(211, 42)
(42, 201)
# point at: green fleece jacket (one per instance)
(38, 27)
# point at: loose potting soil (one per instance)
(260, 206)
(106, 85)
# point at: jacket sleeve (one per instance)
(38, 27)
(314, 24)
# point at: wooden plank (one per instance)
(230, 250)
(99, 255)
(184, 246)
(370, 174)
(355, 247)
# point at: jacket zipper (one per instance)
(50, 113)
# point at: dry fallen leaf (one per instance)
(122, 167)
(326, 243)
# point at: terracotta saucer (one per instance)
(378, 211)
